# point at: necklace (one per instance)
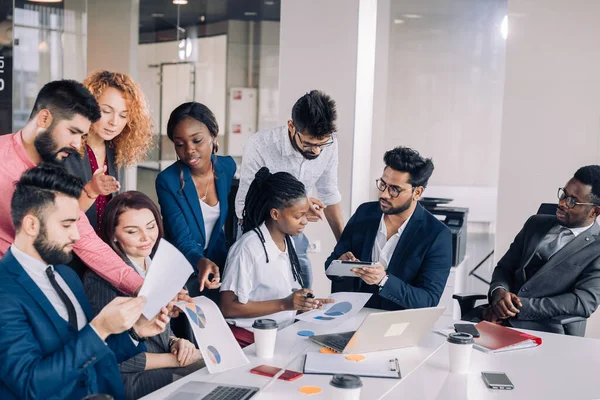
(203, 198)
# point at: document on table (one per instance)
(347, 304)
(166, 276)
(217, 344)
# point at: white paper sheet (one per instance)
(217, 344)
(347, 304)
(166, 276)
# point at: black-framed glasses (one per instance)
(393, 190)
(570, 202)
(309, 146)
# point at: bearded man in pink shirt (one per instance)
(62, 114)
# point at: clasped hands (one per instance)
(369, 275)
(504, 305)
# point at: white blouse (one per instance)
(211, 215)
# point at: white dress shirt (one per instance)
(251, 278)
(273, 149)
(139, 269)
(36, 270)
(383, 249)
(210, 215)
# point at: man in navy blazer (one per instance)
(51, 345)
(412, 248)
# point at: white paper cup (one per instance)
(460, 347)
(265, 334)
(345, 387)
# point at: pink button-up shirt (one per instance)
(96, 254)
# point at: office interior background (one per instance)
(504, 95)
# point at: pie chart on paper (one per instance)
(214, 355)
(196, 315)
(339, 309)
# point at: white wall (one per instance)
(444, 93)
(323, 56)
(268, 78)
(550, 124)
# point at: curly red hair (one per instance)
(135, 141)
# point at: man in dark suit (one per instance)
(413, 248)
(552, 268)
(51, 344)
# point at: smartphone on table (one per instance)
(497, 380)
(467, 328)
(267, 370)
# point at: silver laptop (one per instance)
(383, 331)
(211, 391)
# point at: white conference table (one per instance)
(562, 367)
(289, 351)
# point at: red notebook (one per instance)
(496, 338)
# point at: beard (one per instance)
(48, 149)
(395, 210)
(51, 253)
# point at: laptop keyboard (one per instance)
(228, 393)
(337, 342)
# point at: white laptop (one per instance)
(383, 331)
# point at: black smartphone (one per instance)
(467, 328)
(497, 380)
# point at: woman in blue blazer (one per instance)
(193, 195)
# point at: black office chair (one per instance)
(572, 325)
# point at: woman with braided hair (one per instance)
(262, 276)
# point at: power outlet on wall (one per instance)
(314, 247)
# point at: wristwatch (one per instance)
(383, 281)
(135, 336)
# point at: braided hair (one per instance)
(268, 191)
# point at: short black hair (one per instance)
(590, 175)
(65, 99)
(405, 159)
(38, 188)
(314, 114)
(194, 110)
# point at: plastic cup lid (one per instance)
(460, 338)
(264, 324)
(346, 381)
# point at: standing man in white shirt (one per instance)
(306, 148)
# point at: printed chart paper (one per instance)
(347, 304)
(166, 276)
(219, 348)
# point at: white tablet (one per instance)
(342, 268)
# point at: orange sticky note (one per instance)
(308, 390)
(325, 350)
(355, 357)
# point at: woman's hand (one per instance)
(205, 268)
(299, 301)
(102, 184)
(185, 351)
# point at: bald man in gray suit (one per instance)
(552, 268)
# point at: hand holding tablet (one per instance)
(344, 268)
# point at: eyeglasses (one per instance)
(393, 190)
(309, 146)
(570, 202)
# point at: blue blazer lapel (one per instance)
(77, 288)
(62, 327)
(191, 195)
(410, 233)
(222, 193)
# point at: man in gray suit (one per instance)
(552, 268)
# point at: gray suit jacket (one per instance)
(568, 284)
(80, 166)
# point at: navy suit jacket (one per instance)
(419, 266)
(182, 214)
(41, 355)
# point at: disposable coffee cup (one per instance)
(345, 387)
(265, 334)
(460, 347)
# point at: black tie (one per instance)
(63, 296)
